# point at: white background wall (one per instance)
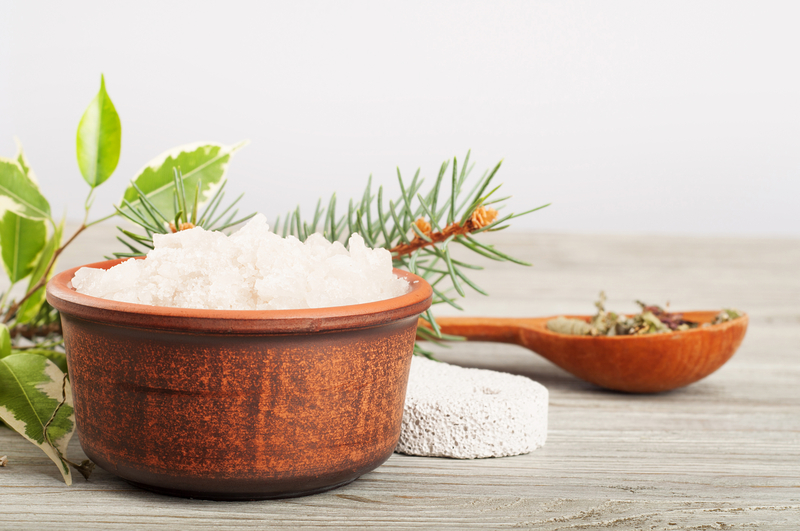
(653, 117)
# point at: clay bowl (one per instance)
(233, 405)
(633, 364)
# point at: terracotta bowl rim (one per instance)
(743, 319)
(63, 297)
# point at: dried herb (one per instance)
(572, 327)
(651, 320)
(728, 314)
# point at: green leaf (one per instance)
(204, 163)
(30, 307)
(99, 139)
(19, 194)
(22, 160)
(59, 358)
(5, 341)
(21, 240)
(30, 391)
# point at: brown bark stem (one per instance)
(454, 229)
(479, 218)
(28, 331)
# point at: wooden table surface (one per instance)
(723, 453)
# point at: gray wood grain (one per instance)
(723, 453)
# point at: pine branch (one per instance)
(419, 230)
(185, 215)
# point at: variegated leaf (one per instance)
(23, 163)
(21, 242)
(31, 388)
(5, 341)
(19, 194)
(203, 162)
(59, 358)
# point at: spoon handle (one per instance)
(496, 329)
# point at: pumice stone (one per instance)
(451, 411)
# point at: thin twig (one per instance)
(477, 220)
(29, 331)
(12, 310)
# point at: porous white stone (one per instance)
(464, 413)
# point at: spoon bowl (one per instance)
(632, 364)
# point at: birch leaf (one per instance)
(21, 241)
(30, 391)
(19, 194)
(31, 306)
(99, 139)
(201, 162)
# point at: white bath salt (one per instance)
(252, 269)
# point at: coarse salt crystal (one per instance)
(253, 269)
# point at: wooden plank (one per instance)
(723, 453)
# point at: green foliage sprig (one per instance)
(35, 395)
(420, 229)
(34, 389)
(187, 215)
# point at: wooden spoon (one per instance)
(634, 364)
